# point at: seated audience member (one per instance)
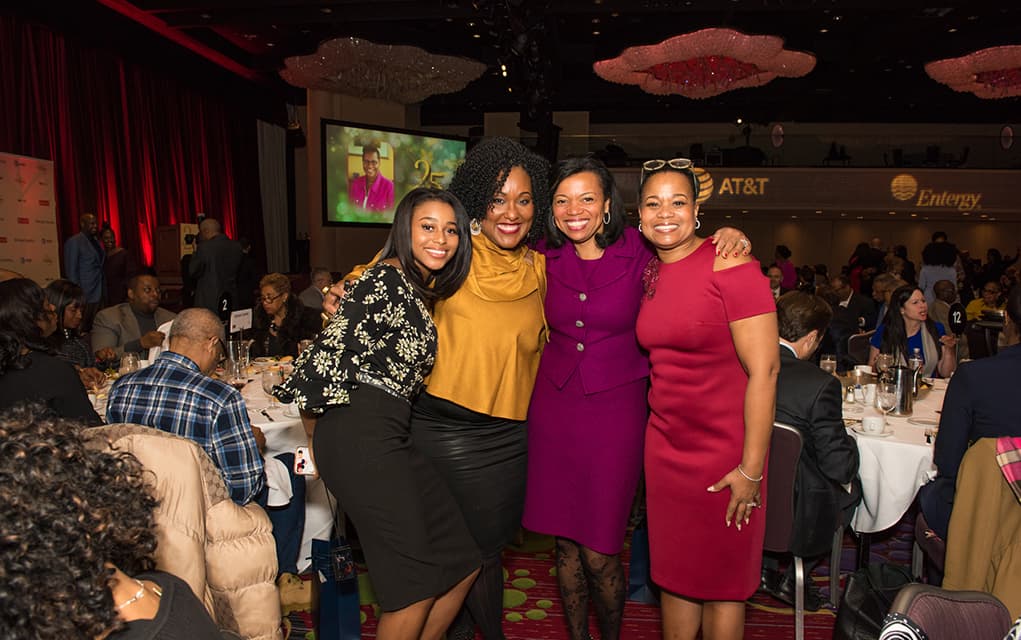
(312, 297)
(69, 302)
(907, 328)
(79, 539)
(882, 286)
(175, 394)
(827, 488)
(28, 369)
(946, 295)
(131, 326)
(979, 404)
(775, 275)
(989, 301)
(281, 320)
(852, 313)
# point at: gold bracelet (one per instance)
(748, 477)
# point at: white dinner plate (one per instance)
(852, 408)
(885, 433)
(291, 411)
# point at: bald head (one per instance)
(88, 224)
(198, 335)
(209, 227)
(945, 290)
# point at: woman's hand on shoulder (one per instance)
(731, 242)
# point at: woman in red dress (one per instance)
(709, 326)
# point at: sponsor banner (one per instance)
(28, 218)
(851, 190)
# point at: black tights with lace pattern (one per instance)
(584, 575)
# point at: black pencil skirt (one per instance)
(415, 539)
(484, 461)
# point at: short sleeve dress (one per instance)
(695, 434)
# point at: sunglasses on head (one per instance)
(681, 164)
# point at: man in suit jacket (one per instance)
(131, 326)
(312, 297)
(775, 276)
(83, 264)
(852, 313)
(979, 404)
(827, 487)
(215, 265)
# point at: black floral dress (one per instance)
(359, 377)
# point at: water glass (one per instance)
(828, 363)
(883, 363)
(886, 397)
(271, 377)
(129, 363)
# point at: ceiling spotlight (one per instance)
(824, 30)
(596, 33)
(326, 10)
(740, 121)
(892, 213)
(475, 35)
(952, 30)
(205, 16)
(818, 210)
(794, 216)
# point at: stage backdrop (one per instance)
(28, 218)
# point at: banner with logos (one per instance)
(950, 191)
(28, 218)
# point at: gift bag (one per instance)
(336, 615)
(640, 586)
(867, 599)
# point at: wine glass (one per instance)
(883, 363)
(886, 396)
(271, 377)
(828, 363)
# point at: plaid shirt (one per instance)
(174, 396)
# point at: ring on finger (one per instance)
(744, 242)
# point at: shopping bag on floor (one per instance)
(336, 615)
(640, 586)
(867, 599)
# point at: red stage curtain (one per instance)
(134, 146)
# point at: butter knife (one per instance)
(268, 417)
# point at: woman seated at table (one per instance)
(281, 320)
(68, 301)
(79, 540)
(28, 369)
(907, 327)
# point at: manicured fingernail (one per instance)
(738, 526)
(711, 490)
(728, 523)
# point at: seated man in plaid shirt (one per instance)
(175, 394)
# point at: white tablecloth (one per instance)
(895, 467)
(283, 434)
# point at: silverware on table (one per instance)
(266, 413)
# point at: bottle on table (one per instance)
(915, 364)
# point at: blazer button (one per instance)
(581, 347)
(582, 297)
(579, 324)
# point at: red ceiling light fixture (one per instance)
(705, 63)
(988, 73)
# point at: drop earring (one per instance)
(475, 227)
(639, 227)
(606, 217)
(698, 223)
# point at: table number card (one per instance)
(240, 320)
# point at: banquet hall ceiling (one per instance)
(870, 53)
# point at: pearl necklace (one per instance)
(138, 594)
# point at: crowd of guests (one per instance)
(513, 355)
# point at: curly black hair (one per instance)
(66, 513)
(484, 170)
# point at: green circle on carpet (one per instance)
(505, 574)
(535, 614)
(544, 604)
(362, 617)
(514, 617)
(553, 571)
(513, 598)
(523, 583)
(521, 573)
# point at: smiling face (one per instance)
(915, 308)
(579, 206)
(109, 240)
(668, 211)
(370, 164)
(434, 236)
(510, 214)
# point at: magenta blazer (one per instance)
(592, 318)
(381, 194)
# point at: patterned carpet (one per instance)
(532, 606)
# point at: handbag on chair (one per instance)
(867, 599)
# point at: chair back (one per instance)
(944, 615)
(858, 347)
(784, 452)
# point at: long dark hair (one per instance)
(618, 217)
(443, 283)
(895, 333)
(21, 305)
(484, 171)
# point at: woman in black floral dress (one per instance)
(358, 379)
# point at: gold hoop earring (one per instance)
(475, 227)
